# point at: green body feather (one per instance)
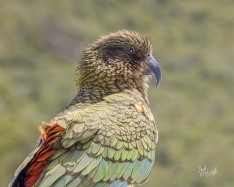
(109, 153)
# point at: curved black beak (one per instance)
(154, 66)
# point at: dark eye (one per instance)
(130, 50)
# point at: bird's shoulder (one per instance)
(119, 105)
(118, 114)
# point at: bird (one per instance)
(106, 135)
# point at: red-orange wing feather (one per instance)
(40, 159)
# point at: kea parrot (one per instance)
(106, 136)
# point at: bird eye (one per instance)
(130, 50)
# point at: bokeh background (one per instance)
(40, 45)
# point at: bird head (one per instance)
(120, 60)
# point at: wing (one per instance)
(35, 162)
(110, 143)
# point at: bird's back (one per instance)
(121, 152)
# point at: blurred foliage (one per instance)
(41, 42)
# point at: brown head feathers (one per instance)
(114, 63)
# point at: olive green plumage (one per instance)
(110, 133)
(109, 141)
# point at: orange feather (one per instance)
(40, 159)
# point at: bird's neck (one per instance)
(95, 91)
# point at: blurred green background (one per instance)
(40, 45)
